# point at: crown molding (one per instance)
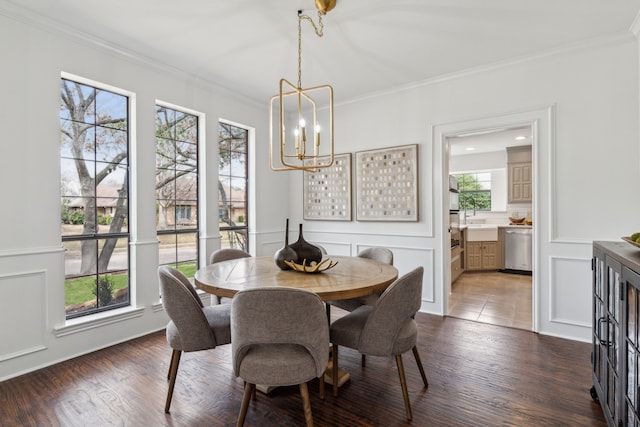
(12, 10)
(614, 39)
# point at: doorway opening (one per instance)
(483, 286)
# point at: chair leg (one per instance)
(219, 298)
(420, 367)
(248, 391)
(363, 360)
(173, 373)
(403, 384)
(334, 369)
(306, 404)
(173, 354)
(321, 385)
(253, 395)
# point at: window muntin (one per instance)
(233, 177)
(177, 221)
(94, 187)
(475, 191)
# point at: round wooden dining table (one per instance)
(351, 277)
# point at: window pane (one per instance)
(164, 118)
(475, 191)
(73, 251)
(186, 156)
(187, 244)
(111, 109)
(238, 167)
(165, 154)
(187, 128)
(114, 255)
(110, 143)
(187, 187)
(167, 245)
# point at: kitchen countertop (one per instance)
(465, 226)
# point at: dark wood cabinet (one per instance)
(616, 331)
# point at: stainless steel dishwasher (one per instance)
(518, 249)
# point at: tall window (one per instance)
(94, 151)
(177, 188)
(232, 185)
(475, 191)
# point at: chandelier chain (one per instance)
(319, 32)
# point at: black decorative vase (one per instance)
(306, 251)
(286, 253)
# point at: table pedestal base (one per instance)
(343, 376)
(266, 389)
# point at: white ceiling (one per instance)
(494, 140)
(369, 45)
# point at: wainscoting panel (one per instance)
(22, 304)
(570, 291)
(406, 259)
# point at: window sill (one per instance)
(81, 324)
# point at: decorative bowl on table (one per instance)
(516, 220)
(631, 242)
(312, 267)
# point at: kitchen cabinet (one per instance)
(457, 258)
(456, 264)
(519, 166)
(615, 352)
(482, 255)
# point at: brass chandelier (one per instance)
(301, 112)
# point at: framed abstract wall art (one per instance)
(327, 191)
(387, 184)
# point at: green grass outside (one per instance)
(82, 289)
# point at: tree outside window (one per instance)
(475, 191)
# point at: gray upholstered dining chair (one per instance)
(387, 328)
(378, 254)
(226, 254)
(192, 326)
(280, 337)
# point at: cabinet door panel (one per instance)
(631, 383)
(490, 255)
(474, 255)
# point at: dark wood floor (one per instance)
(479, 375)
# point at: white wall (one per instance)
(32, 319)
(584, 160)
